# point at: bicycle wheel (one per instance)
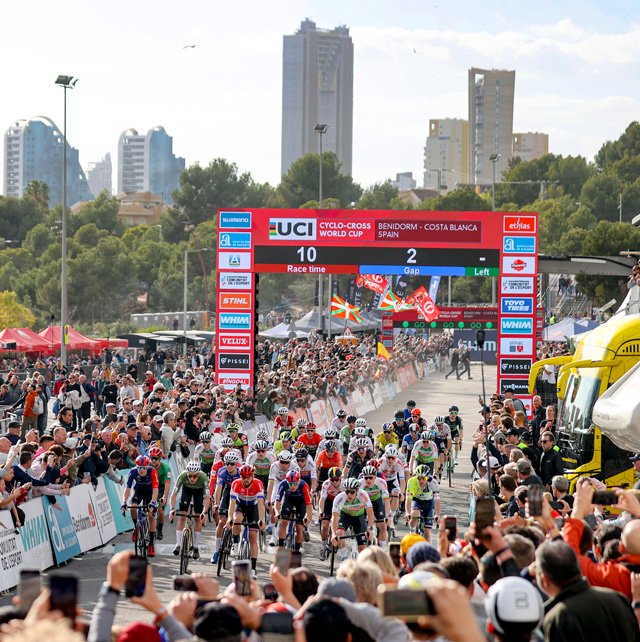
(244, 552)
(290, 539)
(449, 470)
(332, 562)
(185, 551)
(262, 540)
(142, 536)
(225, 547)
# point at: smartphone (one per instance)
(242, 577)
(277, 627)
(283, 557)
(29, 588)
(64, 594)
(184, 583)
(485, 513)
(405, 604)
(534, 496)
(270, 592)
(605, 497)
(295, 561)
(394, 553)
(451, 525)
(137, 579)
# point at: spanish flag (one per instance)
(382, 351)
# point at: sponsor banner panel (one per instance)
(516, 346)
(62, 532)
(34, 535)
(234, 220)
(235, 281)
(514, 366)
(234, 301)
(102, 508)
(234, 341)
(516, 325)
(234, 320)
(234, 260)
(518, 264)
(517, 285)
(234, 240)
(12, 557)
(115, 493)
(232, 379)
(83, 517)
(520, 224)
(519, 245)
(234, 361)
(516, 305)
(520, 386)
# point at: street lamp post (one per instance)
(66, 82)
(321, 128)
(480, 338)
(185, 286)
(494, 158)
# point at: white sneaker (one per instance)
(273, 541)
(254, 574)
(235, 548)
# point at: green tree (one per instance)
(12, 313)
(17, 217)
(458, 200)
(626, 147)
(39, 192)
(102, 212)
(381, 196)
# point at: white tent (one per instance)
(283, 331)
(311, 321)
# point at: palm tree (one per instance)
(39, 192)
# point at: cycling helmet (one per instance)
(293, 477)
(423, 471)
(454, 409)
(145, 462)
(246, 471)
(261, 444)
(285, 436)
(391, 450)
(262, 434)
(193, 466)
(156, 452)
(374, 462)
(232, 457)
(411, 403)
(369, 470)
(301, 422)
(351, 419)
(416, 412)
(285, 455)
(361, 442)
(227, 442)
(205, 436)
(360, 431)
(341, 413)
(351, 483)
(425, 434)
(330, 445)
(335, 473)
(413, 427)
(283, 410)
(360, 422)
(302, 453)
(387, 427)
(311, 425)
(297, 445)
(233, 427)
(438, 420)
(514, 604)
(330, 433)
(399, 414)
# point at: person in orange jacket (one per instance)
(29, 416)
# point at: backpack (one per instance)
(38, 405)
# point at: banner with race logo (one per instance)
(83, 517)
(104, 514)
(62, 532)
(115, 493)
(34, 535)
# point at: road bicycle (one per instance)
(334, 549)
(141, 529)
(186, 543)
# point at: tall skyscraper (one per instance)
(33, 151)
(491, 94)
(146, 163)
(99, 176)
(530, 145)
(446, 154)
(317, 88)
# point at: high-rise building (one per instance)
(99, 176)
(491, 94)
(446, 154)
(404, 181)
(530, 145)
(146, 163)
(33, 151)
(317, 88)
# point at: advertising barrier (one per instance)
(103, 511)
(34, 535)
(62, 532)
(114, 493)
(12, 556)
(83, 517)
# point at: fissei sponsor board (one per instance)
(514, 366)
(231, 361)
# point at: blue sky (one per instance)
(576, 72)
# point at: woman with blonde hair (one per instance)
(380, 558)
(365, 577)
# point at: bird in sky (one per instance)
(189, 46)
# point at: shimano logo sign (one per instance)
(292, 229)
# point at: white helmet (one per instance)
(351, 483)
(227, 442)
(261, 444)
(232, 457)
(360, 431)
(283, 410)
(361, 442)
(391, 450)
(330, 433)
(205, 436)
(285, 455)
(193, 466)
(514, 603)
(262, 434)
(361, 422)
(301, 422)
(425, 435)
(438, 419)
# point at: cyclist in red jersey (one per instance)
(328, 458)
(310, 438)
(283, 422)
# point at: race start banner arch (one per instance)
(411, 243)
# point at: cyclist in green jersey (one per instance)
(346, 433)
(164, 484)
(351, 508)
(423, 492)
(284, 443)
(205, 453)
(194, 485)
(455, 425)
(376, 488)
(239, 439)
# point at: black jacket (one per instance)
(550, 466)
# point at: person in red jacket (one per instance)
(29, 416)
(615, 574)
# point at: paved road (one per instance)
(433, 395)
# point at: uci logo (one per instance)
(292, 229)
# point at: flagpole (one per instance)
(328, 309)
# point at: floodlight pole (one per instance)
(480, 336)
(321, 128)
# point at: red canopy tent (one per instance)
(112, 343)
(77, 341)
(26, 340)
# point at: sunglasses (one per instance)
(350, 492)
(369, 477)
(156, 458)
(231, 464)
(262, 450)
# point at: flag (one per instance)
(434, 284)
(382, 351)
(422, 302)
(343, 310)
(375, 282)
(393, 303)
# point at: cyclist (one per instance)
(410, 439)
(330, 434)
(386, 437)
(411, 404)
(163, 470)
(340, 420)
(360, 432)
(331, 488)
(307, 468)
(400, 425)
(205, 453)
(416, 418)
(261, 460)
(144, 480)
(283, 422)
(284, 443)
(277, 473)
(425, 452)
(422, 490)
(357, 458)
(346, 434)
(310, 439)
(351, 508)
(442, 439)
(328, 458)
(195, 488)
(455, 426)
(226, 476)
(293, 495)
(392, 471)
(376, 488)
(261, 435)
(239, 440)
(247, 501)
(300, 427)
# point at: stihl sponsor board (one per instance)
(235, 281)
(517, 285)
(234, 300)
(232, 379)
(518, 264)
(519, 224)
(236, 341)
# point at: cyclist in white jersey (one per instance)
(392, 470)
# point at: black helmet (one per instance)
(351, 419)
(399, 414)
(454, 409)
(411, 403)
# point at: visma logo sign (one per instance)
(292, 229)
(510, 325)
(234, 321)
(517, 305)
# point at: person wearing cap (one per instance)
(635, 460)
(509, 393)
(526, 476)
(13, 432)
(514, 610)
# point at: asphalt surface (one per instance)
(433, 395)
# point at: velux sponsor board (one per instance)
(519, 224)
(517, 285)
(516, 325)
(235, 281)
(234, 341)
(516, 305)
(518, 264)
(234, 300)
(516, 345)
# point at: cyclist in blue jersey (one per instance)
(144, 481)
(293, 496)
(226, 476)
